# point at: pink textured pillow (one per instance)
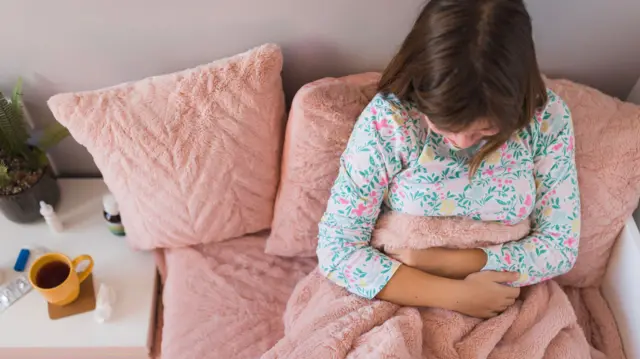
(607, 133)
(192, 157)
(320, 122)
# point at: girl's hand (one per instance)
(482, 295)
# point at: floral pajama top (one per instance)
(393, 162)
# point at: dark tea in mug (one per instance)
(52, 274)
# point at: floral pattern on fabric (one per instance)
(393, 162)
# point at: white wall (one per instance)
(72, 45)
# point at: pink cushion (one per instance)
(226, 300)
(607, 133)
(320, 121)
(191, 157)
(323, 113)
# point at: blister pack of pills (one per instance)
(17, 286)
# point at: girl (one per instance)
(462, 125)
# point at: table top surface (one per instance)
(132, 274)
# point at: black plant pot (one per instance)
(24, 207)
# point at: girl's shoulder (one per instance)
(397, 113)
(551, 119)
(393, 124)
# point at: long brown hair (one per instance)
(465, 59)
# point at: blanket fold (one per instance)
(323, 320)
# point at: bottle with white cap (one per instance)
(50, 216)
(105, 301)
(112, 215)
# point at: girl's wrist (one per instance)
(454, 290)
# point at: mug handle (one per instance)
(85, 273)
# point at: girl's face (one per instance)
(479, 129)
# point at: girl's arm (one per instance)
(368, 163)
(552, 247)
(443, 262)
(479, 295)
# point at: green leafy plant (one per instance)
(23, 158)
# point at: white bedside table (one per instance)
(25, 328)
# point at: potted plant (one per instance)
(25, 175)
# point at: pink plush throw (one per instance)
(191, 157)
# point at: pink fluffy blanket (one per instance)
(323, 320)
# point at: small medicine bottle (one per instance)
(112, 215)
(51, 217)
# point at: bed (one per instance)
(223, 296)
(244, 308)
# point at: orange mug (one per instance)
(54, 276)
